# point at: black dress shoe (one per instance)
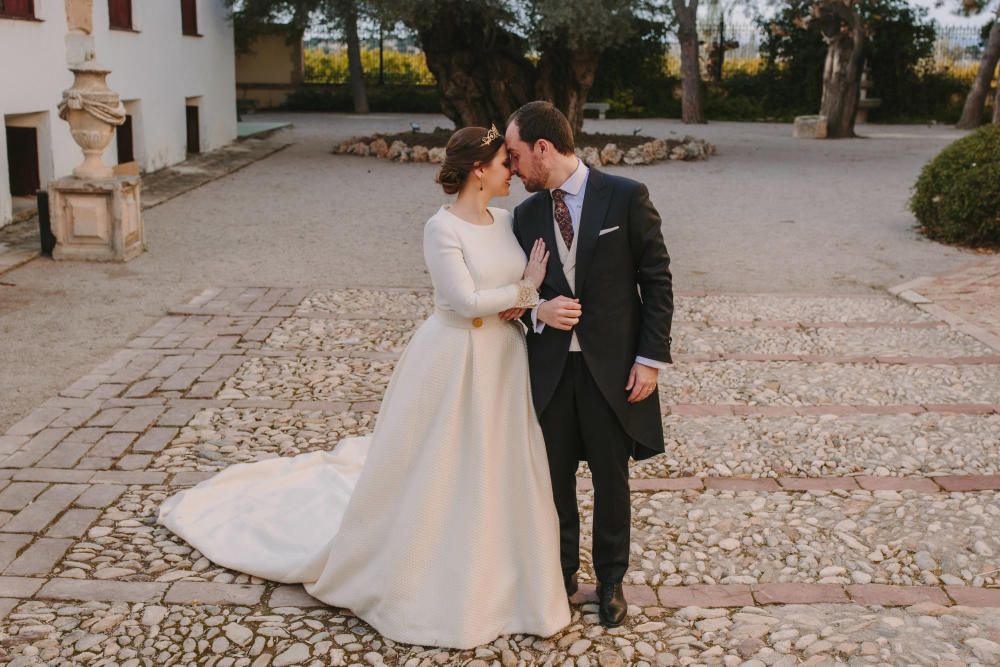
(613, 606)
(571, 585)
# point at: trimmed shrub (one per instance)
(957, 196)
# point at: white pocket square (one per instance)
(608, 230)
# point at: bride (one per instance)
(439, 529)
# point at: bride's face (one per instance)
(496, 174)
(527, 160)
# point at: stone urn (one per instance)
(93, 111)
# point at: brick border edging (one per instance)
(932, 484)
(908, 293)
(698, 595)
(743, 410)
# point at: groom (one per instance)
(599, 337)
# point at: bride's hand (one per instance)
(537, 261)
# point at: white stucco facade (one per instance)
(156, 69)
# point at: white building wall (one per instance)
(154, 69)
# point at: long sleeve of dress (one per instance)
(446, 263)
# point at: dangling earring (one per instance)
(480, 183)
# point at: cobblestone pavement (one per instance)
(830, 492)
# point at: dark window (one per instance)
(193, 136)
(18, 8)
(22, 158)
(189, 17)
(120, 12)
(126, 150)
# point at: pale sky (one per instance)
(942, 15)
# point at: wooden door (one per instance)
(193, 135)
(22, 159)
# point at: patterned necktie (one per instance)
(563, 218)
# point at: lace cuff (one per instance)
(527, 295)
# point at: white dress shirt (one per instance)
(575, 188)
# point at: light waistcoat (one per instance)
(575, 188)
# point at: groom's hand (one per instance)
(561, 312)
(641, 382)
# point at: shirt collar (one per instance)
(574, 184)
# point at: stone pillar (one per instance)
(95, 214)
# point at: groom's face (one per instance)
(526, 160)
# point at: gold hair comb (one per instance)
(491, 136)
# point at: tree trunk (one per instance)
(687, 35)
(996, 106)
(565, 77)
(972, 112)
(358, 92)
(482, 75)
(844, 34)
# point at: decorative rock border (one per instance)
(687, 149)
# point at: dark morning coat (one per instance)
(624, 284)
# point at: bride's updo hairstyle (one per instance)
(467, 149)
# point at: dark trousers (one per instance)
(578, 424)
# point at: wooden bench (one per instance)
(245, 105)
(600, 107)
(865, 103)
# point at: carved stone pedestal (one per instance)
(96, 220)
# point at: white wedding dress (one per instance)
(439, 529)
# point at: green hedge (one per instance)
(957, 196)
(773, 94)
(381, 99)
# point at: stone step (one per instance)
(218, 437)
(374, 303)
(789, 383)
(781, 635)
(397, 303)
(830, 445)
(309, 378)
(316, 334)
(298, 333)
(904, 538)
(880, 341)
(730, 308)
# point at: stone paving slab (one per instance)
(902, 538)
(970, 292)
